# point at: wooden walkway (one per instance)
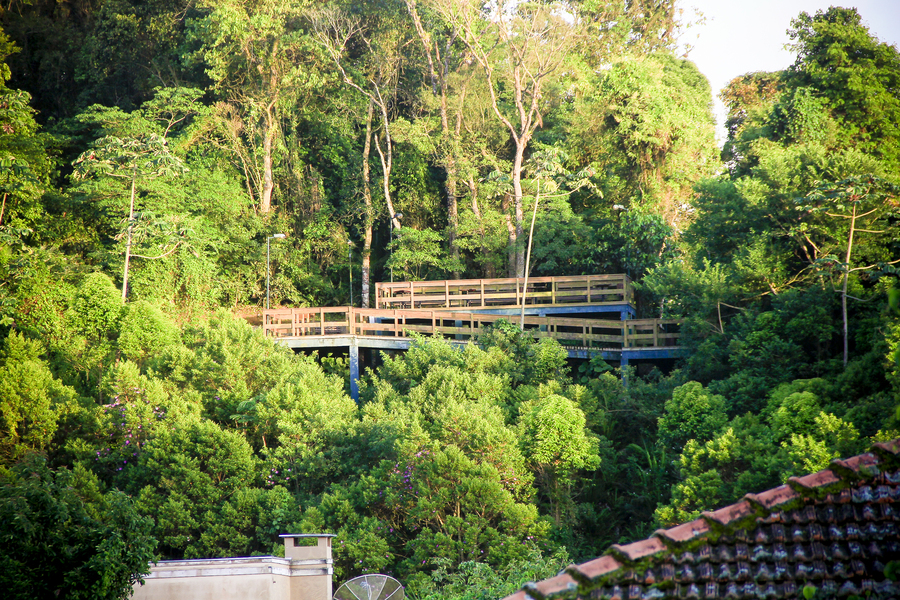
(593, 290)
(466, 326)
(460, 310)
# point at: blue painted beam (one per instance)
(550, 310)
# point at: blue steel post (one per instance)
(354, 370)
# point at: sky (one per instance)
(743, 36)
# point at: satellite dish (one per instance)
(370, 587)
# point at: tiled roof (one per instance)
(835, 530)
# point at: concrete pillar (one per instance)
(310, 587)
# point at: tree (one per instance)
(256, 52)
(691, 414)
(557, 445)
(63, 538)
(856, 204)
(546, 165)
(131, 159)
(441, 46)
(30, 399)
(854, 74)
(376, 77)
(647, 126)
(520, 47)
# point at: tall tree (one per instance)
(856, 75)
(439, 42)
(851, 207)
(256, 52)
(519, 47)
(375, 76)
(132, 160)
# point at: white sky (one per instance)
(743, 36)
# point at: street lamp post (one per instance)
(397, 216)
(276, 236)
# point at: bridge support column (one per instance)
(623, 364)
(354, 370)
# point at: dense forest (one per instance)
(150, 149)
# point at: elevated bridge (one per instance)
(459, 310)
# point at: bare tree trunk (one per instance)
(846, 281)
(511, 239)
(265, 201)
(128, 243)
(370, 211)
(473, 192)
(520, 216)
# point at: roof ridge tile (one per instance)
(730, 516)
(863, 466)
(817, 485)
(561, 586)
(593, 570)
(676, 537)
(635, 551)
(825, 528)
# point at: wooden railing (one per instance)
(465, 326)
(495, 293)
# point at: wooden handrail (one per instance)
(588, 333)
(505, 292)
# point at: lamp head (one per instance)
(278, 236)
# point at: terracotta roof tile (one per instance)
(638, 550)
(885, 448)
(835, 529)
(730, 514)
(816, 481)
(593, 569)
(555, 586)
(684, 533)
(864, 465)
(773, 498)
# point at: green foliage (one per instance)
(461, 469)
(62, 536)
(853, 73)
(473, 580)
(192, 480)
(416, 255)
(145, 330)
(691, 414)
(31, 399)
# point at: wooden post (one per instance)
(482, 292)
(588, 281)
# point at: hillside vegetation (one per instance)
(149, 151)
